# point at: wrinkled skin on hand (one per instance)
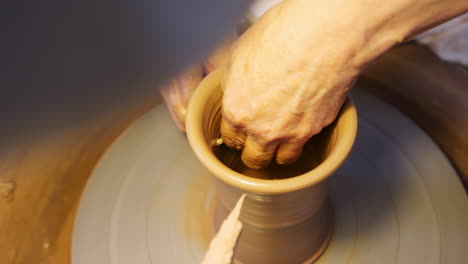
(290, 72)
(288, 79)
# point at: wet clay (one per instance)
(296, 243)
(286, 217)
(314, 152)
(284, 228)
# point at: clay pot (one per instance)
(286, 215)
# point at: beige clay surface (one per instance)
(395, 200)
(286, 204)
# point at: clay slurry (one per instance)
(222, 246)
(315, 151)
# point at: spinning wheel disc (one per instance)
(396, 199)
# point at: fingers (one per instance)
(289, 152)
(254, 155)
(231, 136)
(257, 155)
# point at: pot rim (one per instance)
(203, 151)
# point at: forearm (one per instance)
(374, 26)
(405, 19)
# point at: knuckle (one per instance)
(233, 143)
(267, 139)
(314, 131)
(234, 120)
(329, 120)
(303, 136)
(257, 161)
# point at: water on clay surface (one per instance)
(315, 152)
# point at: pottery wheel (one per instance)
(396, 199)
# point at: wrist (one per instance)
(355, 29)
(376, 26)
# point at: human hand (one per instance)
(288, 79)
